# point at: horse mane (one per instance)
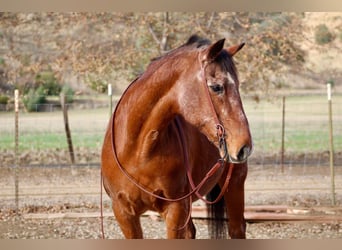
(195, 42)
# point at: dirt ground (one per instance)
(63, 203)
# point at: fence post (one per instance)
(16, 150)
(283, 136)
(67, 129)
(331, 146)
(110, 94)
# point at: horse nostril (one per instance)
(243, 153)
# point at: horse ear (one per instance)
(234, 49)
(214, 50)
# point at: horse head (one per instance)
(212, 102)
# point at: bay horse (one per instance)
(179, 132)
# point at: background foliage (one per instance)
(90, 50)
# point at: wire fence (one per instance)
(297, 138)
(305, 122)
(303, 129)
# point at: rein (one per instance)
(221, 162)
(181, 138)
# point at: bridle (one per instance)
(221, 163)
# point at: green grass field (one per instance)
(306, 126)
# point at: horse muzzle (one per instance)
(240, 157)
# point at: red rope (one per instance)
(101, 207)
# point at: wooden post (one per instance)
(16, 150)
(67, 129)
(331, 146)
(110, 94)
(283, 136)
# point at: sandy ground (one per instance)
(63, 203)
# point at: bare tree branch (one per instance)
(164, 40)
(212, 16)
(154, 36)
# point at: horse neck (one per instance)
(146, 109)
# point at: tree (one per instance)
(102, 48)
(271, 41)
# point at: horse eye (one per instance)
(217, 88)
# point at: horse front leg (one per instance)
(178, 223)
(127, 217)
(235, 202)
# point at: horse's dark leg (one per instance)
(175, 217)
(128, 219)
(235, 202)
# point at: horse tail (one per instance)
(217, 223)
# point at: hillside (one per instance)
(322, 61)
(89, 50)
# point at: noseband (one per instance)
(181, 138)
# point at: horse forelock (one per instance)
(227, 63)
